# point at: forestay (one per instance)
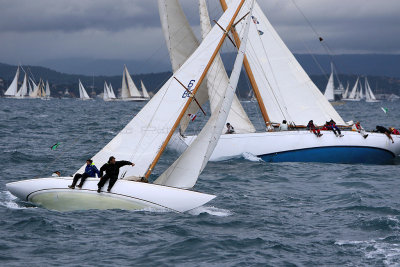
(181, 43)
(143, 136)
(184, 172)
(217, 81)
(286, 90)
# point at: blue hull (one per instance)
(366, 155)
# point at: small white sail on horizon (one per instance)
(330, 87)
(144, 90)
(129, 91)
(369, 95)
(47, 92)
(13, 88)
(105, 93)
(111, 93)
(83, 95)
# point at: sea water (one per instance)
(281, 214)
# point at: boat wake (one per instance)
(211, 211)
(9, 201)
(250, 157)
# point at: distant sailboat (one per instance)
(111, 93)
(108, 94)
(47, 92)
(13, 88)
(369, 95)
(354, 94)
(330, 90)
(83, 95)
(129, 91)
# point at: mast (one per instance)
(176, 124)
(250, 74)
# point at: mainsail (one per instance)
(13, 88)
(330, 87)
(285, 88)
(217, 78)
(144, 137)
(181, 43)
(184, 172)
(369, 95)
(354, 94)
(23, 91)
(105, 93)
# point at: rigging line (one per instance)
(321, 40)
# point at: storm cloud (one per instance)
(32, 31)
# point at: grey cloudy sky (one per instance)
(32, 31)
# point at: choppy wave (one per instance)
(211, 211)
(250, 157)
(9, 201)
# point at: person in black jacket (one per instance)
(111, 168)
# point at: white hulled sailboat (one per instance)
(129, 91)
(146, 136)
(369, 95)
(83, 95)
(283, 91)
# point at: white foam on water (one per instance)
(8, 200)
(210, 210)
(375, 249)
(250, 157)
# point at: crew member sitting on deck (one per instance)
(394, 131)
(335, 129)
(283, 126)
(312, 128)
(90, 171)
(111, 168)
(56, 174)
(230, 129)
(381, 129)
(360, 129)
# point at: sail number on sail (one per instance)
(189, 89)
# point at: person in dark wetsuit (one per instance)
(90, 171)
(381, 129)
(335, 129)
(111, 168)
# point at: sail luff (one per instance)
(250, 74)
(176, 124)
(13, 88)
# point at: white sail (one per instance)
(353, 94)
(346, 92)
(82, 92)
(285, 88)
(181, 43)
(133, 90)
(111, 93)
(217, 78)
(360, 92)
(184, 172)
(13, 88)
(330, 87)
(30, 88)
(143, 136)
(144, 90)
(35, 90)
(124, 86)
(47, 89)
(368, 91)
(105, 93)
(22, 92)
